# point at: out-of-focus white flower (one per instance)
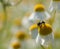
(33, 31)
(26, 22)
(22, 35)
(54, 5)
(30, 44)
(13, 43)
(15, 29)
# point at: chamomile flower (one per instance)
(31, 44)
(39, 13)
(33, 31)
(39, 8)
(45, 34)
(21, 35)
(17, 22)
(16, 45)
(16, 25)
(25, 21)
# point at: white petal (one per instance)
(47, 15)
(26, 23)
(34, 33)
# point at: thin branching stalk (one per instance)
(51, 20)
(5, 17)
(42, 47)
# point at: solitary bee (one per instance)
(44, 28)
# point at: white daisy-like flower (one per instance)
(33, 31)
(39, 14)
(26, 23)
(31, 44)
(45, 36)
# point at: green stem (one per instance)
(5, 17)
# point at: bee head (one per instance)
(40, 23)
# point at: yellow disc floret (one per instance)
(39, 8)
(16, 45)
(57, 0)
(21, 35)
(32, 27)
(45, 29)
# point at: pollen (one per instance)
(16, 45)
(39, 8)
(32, 27)
(45, 29)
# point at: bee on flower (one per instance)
(44, 29)
(45, 34)
(39, 14)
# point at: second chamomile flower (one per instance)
(39, 13)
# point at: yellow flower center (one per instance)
(16, 45)
(32, 27)
(45, 29)
(39, 8)
(21, 35)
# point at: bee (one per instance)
(44, 28)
